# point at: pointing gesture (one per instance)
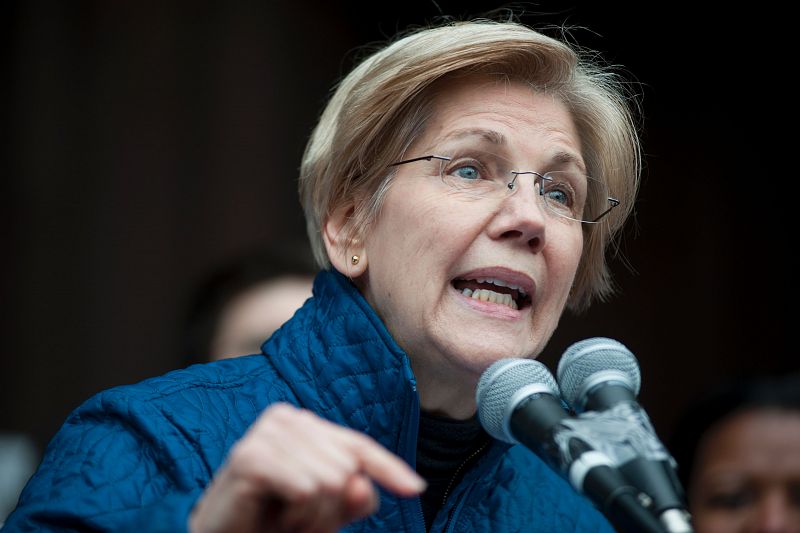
(294, 471)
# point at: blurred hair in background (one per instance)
(149, 143)
(738, 452)
(245, 300)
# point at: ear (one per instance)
(345, 250)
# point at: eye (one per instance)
(558, 191)
(470, 166)
(476, 170)
(734, 499)
(559, 196)
(467, 172)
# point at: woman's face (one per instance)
(747, 475)
(430, 242)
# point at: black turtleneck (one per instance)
(446, 448)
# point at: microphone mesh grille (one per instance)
(588, 357)
(497, 386)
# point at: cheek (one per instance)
(447, 232)
(712, 521)
(577, 255)
(418, 223)
(396, 243)
(565, 254)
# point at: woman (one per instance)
(447, 200)
(739, 449)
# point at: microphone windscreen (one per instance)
(503, 386)
(591, 360)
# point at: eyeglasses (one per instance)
(475, 173)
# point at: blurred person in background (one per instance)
(461, 189)
(245, 301)
(738, 453)
(18, 459)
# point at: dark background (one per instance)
(148, 142)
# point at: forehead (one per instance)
(762, 440)
(507, 116)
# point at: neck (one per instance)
(448, 398)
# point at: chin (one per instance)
(476, 357)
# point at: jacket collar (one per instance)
(341, 362)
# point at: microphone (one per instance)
(600, 379)
(519, 402)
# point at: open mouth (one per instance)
(493, 290)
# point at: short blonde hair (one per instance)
(384, 103)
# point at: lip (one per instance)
(507, 275)
(514, 277)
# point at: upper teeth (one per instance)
(501, 283)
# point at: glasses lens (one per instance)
(575, 196)
(477, 173)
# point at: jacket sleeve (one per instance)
(119, 463)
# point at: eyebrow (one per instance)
(492, 136)
(568, 158)
(498, 139)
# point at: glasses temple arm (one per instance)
(614, 203)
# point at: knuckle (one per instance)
(244, 453)
(280, 410)
(335, 483)
(306, 492)
(363, 444)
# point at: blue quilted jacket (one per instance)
(137, 457)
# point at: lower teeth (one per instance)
(485, 295)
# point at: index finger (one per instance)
(386, 468)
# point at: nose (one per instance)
(521, 215)
(776, 514)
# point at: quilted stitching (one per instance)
(137, 457)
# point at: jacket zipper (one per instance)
(495, 451)
(415, 504)
(454, 511)
(464, 463)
